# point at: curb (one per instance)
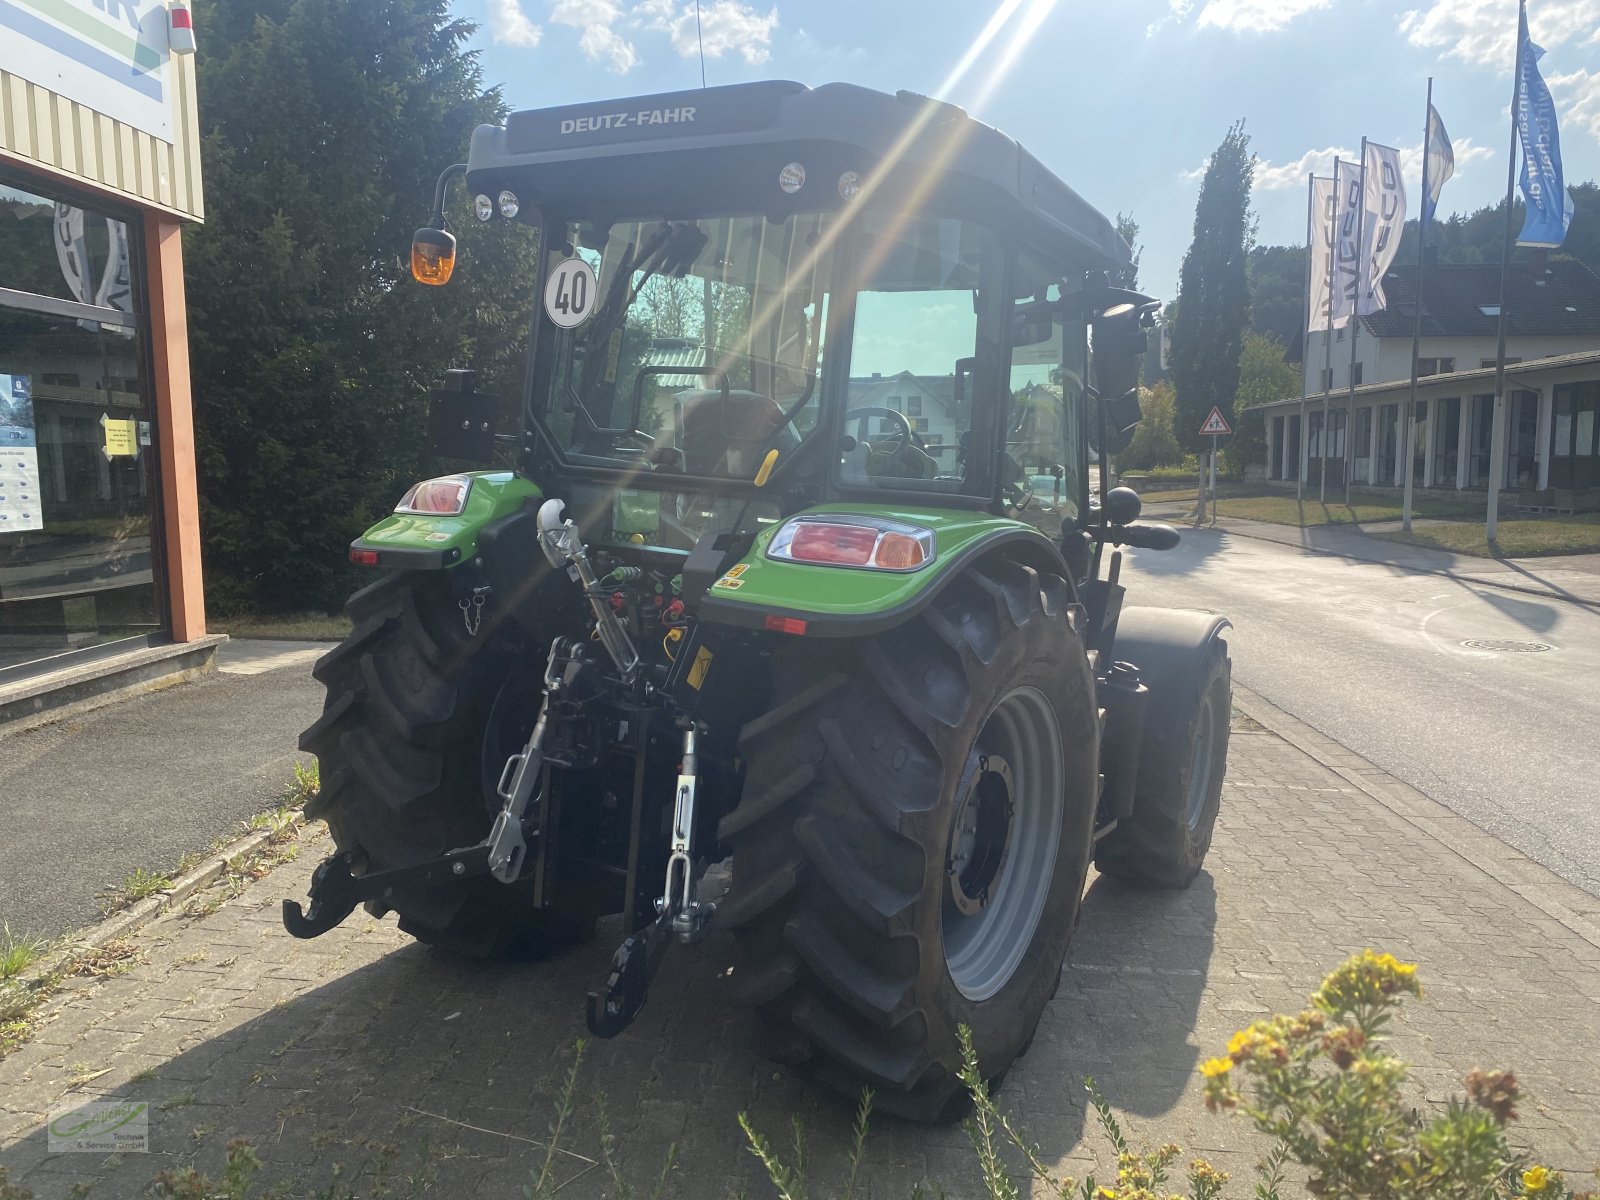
(137, 916)
(1526, 589)
(1567, 905)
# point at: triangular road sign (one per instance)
(1215, 423)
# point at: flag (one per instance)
(1321, 201)
(1549, 208)
(1347, 218)
(1441, 163)
(1384, 202)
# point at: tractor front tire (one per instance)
(1178, 793)
(409, 745)
(910, 848)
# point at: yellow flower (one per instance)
(1536, 1179)
(1239, 1041)
(1216, 1067)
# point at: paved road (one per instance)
(87, 800)
(1378, 658)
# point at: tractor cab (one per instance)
(761, 297)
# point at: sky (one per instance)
(1123, 100)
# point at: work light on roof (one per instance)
(849, 186)
(508, 205)
(792, 178)
(483, 207)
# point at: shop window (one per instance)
(78, 560)
(1356, 377)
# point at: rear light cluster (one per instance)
(852, 541)
(442, 497)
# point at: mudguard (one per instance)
(427, 541)
(759, 592)
(1170, 647)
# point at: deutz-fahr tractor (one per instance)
(761, 628)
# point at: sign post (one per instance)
(1215, 426)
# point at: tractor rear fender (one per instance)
(1171, 647)
(760, 592)
(495, 503)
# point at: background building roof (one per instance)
(1542, 299)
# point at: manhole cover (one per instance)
(1502, 645)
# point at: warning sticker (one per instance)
(732, 579)
(698, 669)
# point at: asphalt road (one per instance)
(137, 784)
(1377, 658)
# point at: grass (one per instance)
(18, 952)
(1253, 502)
(139, 885)
(304, 627)
(1521, 537)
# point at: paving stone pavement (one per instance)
(364, 1061)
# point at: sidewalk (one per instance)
(364, 1059)
(1572, 577)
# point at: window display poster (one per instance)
(19, 457)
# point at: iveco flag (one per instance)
(1441, 162)
(1543, 189)
(1347, 217)
(1385, 208)
(1321, 253)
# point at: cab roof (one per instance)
(730, 144)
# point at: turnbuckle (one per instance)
(508, 848)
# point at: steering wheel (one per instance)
(904, 435)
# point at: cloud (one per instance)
(1256, 16)
(510, 25)
(1238, 16)
(725, 25)
(1484, 32)
(599, 41)
(1578, 97)
(1275, 177)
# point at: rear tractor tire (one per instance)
(1182, 762)
(410, 746)
(910, 849)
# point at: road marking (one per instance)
(236, 660)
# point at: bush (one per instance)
(1155, 443)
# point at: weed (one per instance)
(138, 886)
(305, 786)
(12, 1191)
(18, 952)
(178, 1100)
(189, 960)
(238, 1169)
(148, 1075)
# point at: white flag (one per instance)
(1347, 232)
(1321, 201)
(1441, 161)
(72, 252)
(1385, 204)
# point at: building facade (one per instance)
(99, 171)
(1552, 385)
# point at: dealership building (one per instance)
(100, 584)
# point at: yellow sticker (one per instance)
(729, 585)
(731, 580)
(702, 664)
(121, 438)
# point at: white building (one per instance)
(1552, 384)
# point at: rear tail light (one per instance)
(442, 497)
(851, 541)
(363, 558)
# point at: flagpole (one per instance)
(1327, 346)
(1416, 317)
(1355, 319)
(1497, 433)
(1311, 204)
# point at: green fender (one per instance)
(428, 542)
(759, 592)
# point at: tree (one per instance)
(1213, 292)
(325, 124)
(1263, 376)
(1154, 443)
(1277, 277)
(1128, 231)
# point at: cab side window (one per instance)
(1044, 421)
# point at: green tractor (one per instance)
(759, 632)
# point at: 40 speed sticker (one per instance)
(571, 293)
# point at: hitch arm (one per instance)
(336, 890)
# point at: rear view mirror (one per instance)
(1119, 341)
(433, 256)
(1123, 412)
(1032, 325)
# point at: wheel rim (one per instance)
(1200, 763)
(1004, 838)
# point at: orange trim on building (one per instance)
(180, 501)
